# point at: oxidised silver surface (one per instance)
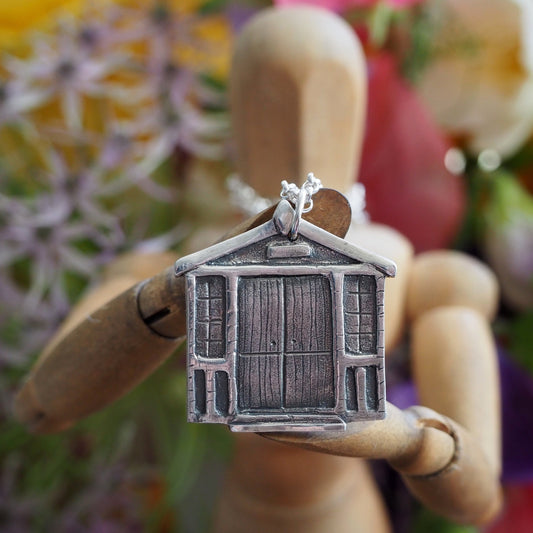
(285, 335)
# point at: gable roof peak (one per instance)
(280, 225)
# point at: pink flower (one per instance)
(402, 166)
(343, 5)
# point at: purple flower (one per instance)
(16, 99)
(127, 102)
(508, 239)
(107, 504)
(517, 420)
(67, 69)
(43, 241)
(17, 510)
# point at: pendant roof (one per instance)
(280, 225)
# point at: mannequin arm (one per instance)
(113, 343)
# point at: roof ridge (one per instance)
(280, 224)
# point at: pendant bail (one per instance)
(297, 216)
(301, 198)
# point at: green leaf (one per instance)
(420, 27)
(520, 334)
(507, 198)
(381, 19)
(427, 521)
(212, 6)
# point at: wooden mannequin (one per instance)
(298, 97)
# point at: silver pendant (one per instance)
(285, 334)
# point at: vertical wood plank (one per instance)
(308, 314)
(259, 384)
(309, 381)
(338, 347)
(308, 369)
(260, 343)
(260, 315)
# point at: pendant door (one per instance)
(308, 353)
(285, 344)
(260, 343)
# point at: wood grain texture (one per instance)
(298, 97)
(454, 363)
(309, 376)
(467, 491)
(259, 382)
(95, 363)
(260, 344)
(271, 487)
(261, 315)
(448, 278)
(285, 343)
(309, 381)
(308, 312)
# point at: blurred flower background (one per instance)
(114, 128)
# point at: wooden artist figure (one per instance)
(298, 78)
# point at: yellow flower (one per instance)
(19, 16)
(182, 6)
(480, 82)
(215, 36)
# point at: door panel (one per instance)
(308, 314)
(259, 384)
(309, 381)
(308, 369)
(260, 343)
(285, 343)
(260, 316)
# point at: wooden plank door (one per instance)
(308, 360)
(285, 343)
(260, 331)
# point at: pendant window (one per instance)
(210, 316)
(360, 314)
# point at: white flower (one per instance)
(480, 83)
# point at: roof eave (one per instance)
(384, 265)
(280, 224)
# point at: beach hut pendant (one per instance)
(285, 328)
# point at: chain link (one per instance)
(291, 192)
(249, 202)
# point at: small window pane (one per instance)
(367, 323)
(199, 392)
(367, 284)
(221, 392)
(351, 323)
(367, 343)
(360, 320)
(210, 327)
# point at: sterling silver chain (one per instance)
(301, 198)
(245, 198)
(294, 194)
